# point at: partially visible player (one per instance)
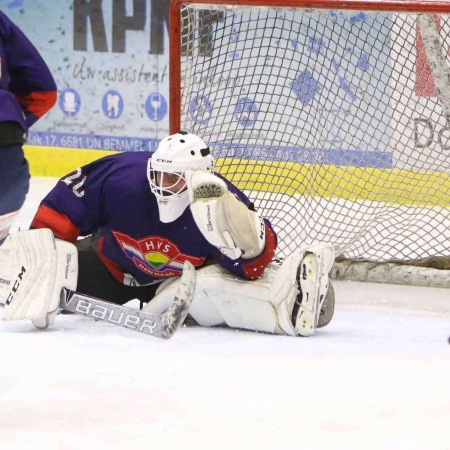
(27, 92)
(145, 214)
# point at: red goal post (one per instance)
(332, 116)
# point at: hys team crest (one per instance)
(156, 256)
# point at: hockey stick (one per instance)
(162, 325)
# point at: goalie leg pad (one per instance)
(266, 304)
(221, 298)
(66, 277)
(32, 259)
(40, 268)
(6, 256)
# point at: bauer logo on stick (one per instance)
(122, 319)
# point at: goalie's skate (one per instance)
(313, 284)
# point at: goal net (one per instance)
(334, 121)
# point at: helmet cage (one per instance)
(176, 154)
(165, 191)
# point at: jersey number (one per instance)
(75, 180)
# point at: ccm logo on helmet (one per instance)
(164, 160)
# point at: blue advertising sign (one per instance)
(69, 102)
(156, 107)
(246, 112)
(200, 108)
(112, 104)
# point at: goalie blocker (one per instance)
(287, 299)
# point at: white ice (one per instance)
(378, 377)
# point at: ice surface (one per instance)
(378, 377)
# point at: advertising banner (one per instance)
(109, 59)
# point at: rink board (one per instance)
(351, 183)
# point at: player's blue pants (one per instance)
(14, 180)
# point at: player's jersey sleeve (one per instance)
(249, 269)
(74, 207)
(27, 87)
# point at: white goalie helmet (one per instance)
(176, 154)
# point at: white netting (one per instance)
(331, 120)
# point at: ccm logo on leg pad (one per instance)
(16, 285)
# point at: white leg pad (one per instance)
(66, 277)
(6, 256)
(221, 298)
(265, 304)
(41, 266)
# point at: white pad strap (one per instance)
(223, 219)
(6, 222)
(40, 268)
